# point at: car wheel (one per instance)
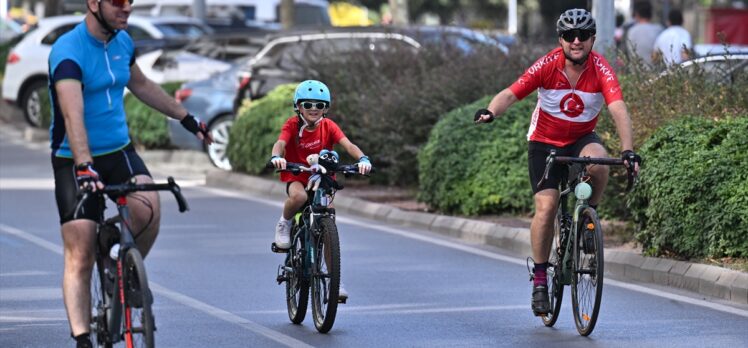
(36, 104)
(219, 130)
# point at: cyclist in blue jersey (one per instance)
(89, 67)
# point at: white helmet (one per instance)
(576, 18)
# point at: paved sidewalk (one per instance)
(708, 281)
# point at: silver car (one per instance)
(211, 100)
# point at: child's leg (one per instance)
(296, 199)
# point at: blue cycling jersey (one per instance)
(104, 71)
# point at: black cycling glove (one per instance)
(194, 125)
(483, 112)
(631, 157)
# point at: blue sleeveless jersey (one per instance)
(104, 71)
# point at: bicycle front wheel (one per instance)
(326, 277)
(555, 267)
(587, 281)
(297, 283)
(139, 322)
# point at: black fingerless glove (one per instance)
(484, 112)
(194, 125)
(631, 157)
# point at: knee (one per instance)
(298, 198)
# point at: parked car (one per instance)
(215, 100)
(721, 69)
(9, 29)
(278, 62)
(26, 67)
(212, 100)
(464, 39)
(240, 15)
(703, 50)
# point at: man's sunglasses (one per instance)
(583, 35)
(120, 3)
(317, 105)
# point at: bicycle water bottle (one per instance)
(114, 252)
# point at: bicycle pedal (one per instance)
(278, 250)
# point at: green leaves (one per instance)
(692, 200)
(148, 127)
(478, 169)
(257, 127)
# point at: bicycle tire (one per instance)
(297, 284)
(587, 281)
(100, 301)
(326, 277)
(139, 323)
(555, 284)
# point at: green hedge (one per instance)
(478, 169)
(388, 101)
(692, 199)
(257, 127)
(148, 127)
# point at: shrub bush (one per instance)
(478, 169)
(388, 102)
(654, 100)
(148, 127)
(693, 193)
(257, 127)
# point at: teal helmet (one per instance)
(311, 90)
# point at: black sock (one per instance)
(83, 340)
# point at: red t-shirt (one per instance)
(565, 114)
(324, 136)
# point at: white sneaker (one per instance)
(342, 294)
(283, 234)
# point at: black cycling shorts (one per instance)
(537, 153)
(114, 168)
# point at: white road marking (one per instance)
(492, 255)
(27, 184)
(173, 295)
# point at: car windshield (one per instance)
(181, 30)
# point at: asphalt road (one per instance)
(213, 277)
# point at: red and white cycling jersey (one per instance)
(565, 113)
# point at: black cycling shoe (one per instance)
(540, 303)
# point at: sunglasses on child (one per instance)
(120, 3)
(583, 35)
(317, 105)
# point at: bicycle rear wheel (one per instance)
(587, 282)
(297, 283)
(100, 301)
(139, 322)
(555, 284)
(326, 276)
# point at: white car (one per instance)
(25, 80)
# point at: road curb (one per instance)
(706, 280)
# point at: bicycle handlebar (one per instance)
(124, 189)
(552, 158)
(297, 168)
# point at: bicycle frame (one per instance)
(126, 241)
(113, 306)
(316, 207)
(569, 233)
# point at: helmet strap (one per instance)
(100, 18)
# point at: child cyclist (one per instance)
(309, 132)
